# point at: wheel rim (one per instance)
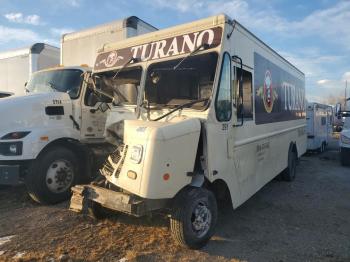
(201, 219)
(59, 176)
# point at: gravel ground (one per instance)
(307, 220)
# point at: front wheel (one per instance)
(52, 175)
(194, 217)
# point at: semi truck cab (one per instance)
(53, 137)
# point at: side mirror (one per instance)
(104, 107)
(92, 99)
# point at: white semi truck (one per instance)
(53, 137)
(16, 66)
(319, 119)
(80, 47)
(344, 136)
(220, 114)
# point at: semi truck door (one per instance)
(93, 115)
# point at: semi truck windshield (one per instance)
(63, 80)
(193, 80)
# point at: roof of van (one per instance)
(183, 29)
(34, 49)
(131, 22)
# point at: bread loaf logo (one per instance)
(267, 92)
(111, 59)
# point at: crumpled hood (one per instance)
(17, 113)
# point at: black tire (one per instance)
(182, 218)
(344, 158)
(289, 173)
(37, 182)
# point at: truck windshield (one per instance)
(193, 80)
(123, 87)
(62, 80)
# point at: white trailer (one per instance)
(80, 47)
(16, 66)
(319, 119)
(220, 114)
(53, 137)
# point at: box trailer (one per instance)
(80, 47)
(16, 66)
(319, 119)
(220, 114)
(53, 137)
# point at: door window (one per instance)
(247, 93)
(223, 105)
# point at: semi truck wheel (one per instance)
(52, 175)
(289, 173)
(194, 217)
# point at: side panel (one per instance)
(14, 72)
(49, 57)
(261, 145)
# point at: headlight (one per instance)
(15, 135)
(11, 148)
(345, 139)
(136, 153)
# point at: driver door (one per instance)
(93, 114)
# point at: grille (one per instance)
(117, 172)
(107, 169)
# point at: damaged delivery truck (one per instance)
(53, 137)
(220, 115)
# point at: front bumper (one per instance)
(9, 174)
(12, 172)
(117, 201)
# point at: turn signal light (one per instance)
(132, 175)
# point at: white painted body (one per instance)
(16, 66)
(319, 125)
(244, 157)
(27, 113)
(80, 47)
(344, 141)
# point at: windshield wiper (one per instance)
(179, 107)
(132, 60)
(53, 86)
(203, 46)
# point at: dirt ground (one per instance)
(306, 220)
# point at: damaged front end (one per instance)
(147, 171)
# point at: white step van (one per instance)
(220, 115)
(319, 119)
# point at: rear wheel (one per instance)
(52, 175)
(194, 217)
(289, 173)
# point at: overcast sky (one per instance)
(314, 35)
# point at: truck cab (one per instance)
(53, 137)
